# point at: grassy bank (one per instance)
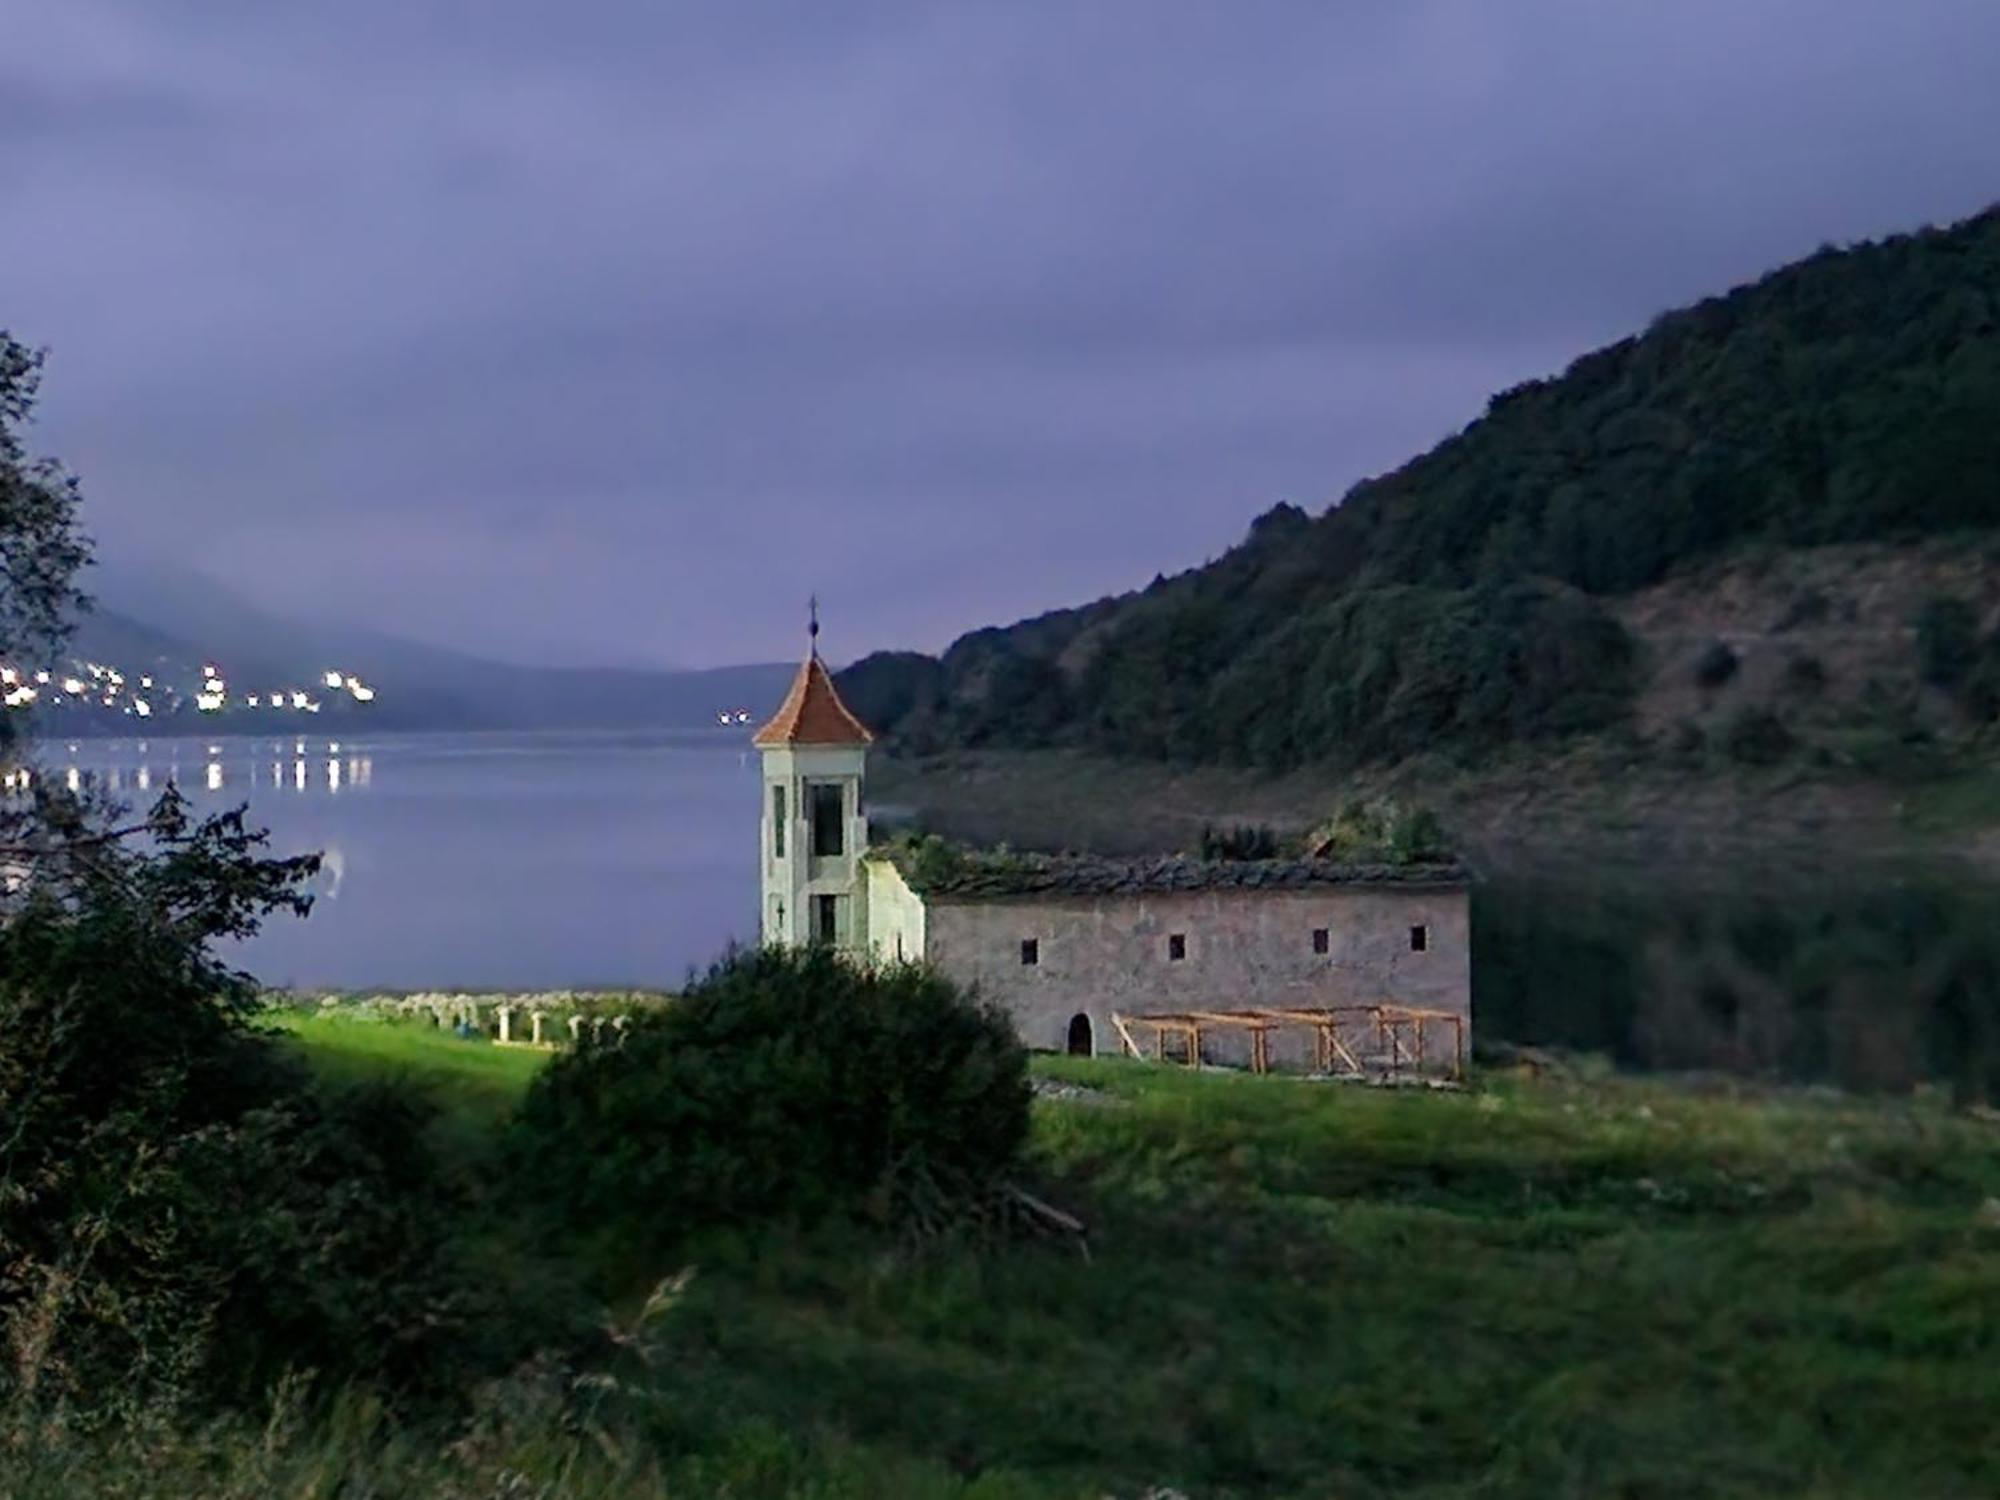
(1581, 1286)
(477, 1082)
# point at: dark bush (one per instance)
(1807, 607)
(1757, 737)
(1687, 743)
(1243, 842)
(1805, 675)
(786, 1084)
(1715, 666)
(1979, 694)
(1947, 640)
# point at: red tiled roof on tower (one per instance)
(812, 713)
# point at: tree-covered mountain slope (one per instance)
(1474, 597)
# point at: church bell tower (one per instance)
(815, 826)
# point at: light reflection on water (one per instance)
(476, 860)
(129, 767)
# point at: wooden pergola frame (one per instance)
(1399, 1034)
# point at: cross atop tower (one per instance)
(812, 629)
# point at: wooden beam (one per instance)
(1397, 1036)
(1125, 1035)
(1247, 1020)
(1353, 1062)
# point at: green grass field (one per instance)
(1584, 1287)
(476, 1080)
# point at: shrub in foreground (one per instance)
(182, 1215)
(784, 1084)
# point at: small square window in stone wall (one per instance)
(1031, 951)
(1176, 946)
(1321, 941)
(1420, 939)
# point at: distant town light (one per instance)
(8, 674)
(251, 699)
(333, 679)
(142, 708)
(42, 677)
(145, 682)
(208, 703)
(72, 685)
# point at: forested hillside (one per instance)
(1468, 599)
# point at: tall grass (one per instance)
(1583, 1287)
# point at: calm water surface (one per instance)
(530, 861)
(480, 860)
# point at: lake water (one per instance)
(480, 861)
(1819, 965)
(544, 861)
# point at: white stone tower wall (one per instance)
(792, 880)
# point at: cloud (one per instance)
(615, 329)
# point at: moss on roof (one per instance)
(936, 869)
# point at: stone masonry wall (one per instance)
(1244, 948)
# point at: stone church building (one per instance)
(1065, 943)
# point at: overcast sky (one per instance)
(610, 329)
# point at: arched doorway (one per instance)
(1079, 1037)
